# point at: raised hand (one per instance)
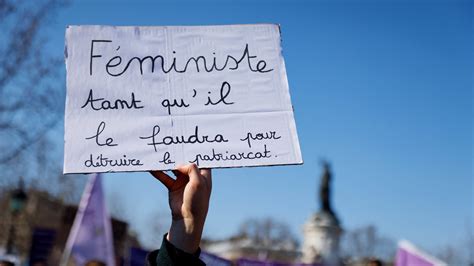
(189, 196)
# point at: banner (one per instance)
(91, 233)
(151, 98)
(409, 255)
(136, 257)
(42, 242)
(213, 260)
(251, 262)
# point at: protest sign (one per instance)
(151, 98)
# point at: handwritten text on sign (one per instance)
(148, 98)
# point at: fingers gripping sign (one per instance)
(183, 174)
(164, 178)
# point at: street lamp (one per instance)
(18, 199)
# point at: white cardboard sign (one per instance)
(151, 98)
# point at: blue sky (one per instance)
(382, 89)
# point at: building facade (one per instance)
(41, 229)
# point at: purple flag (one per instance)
(91, 234)
(213, 260)
(409, 255)
(137, 257)
(251, 262)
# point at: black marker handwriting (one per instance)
(106, 104)
(102, 161)
(224, 92)
(94, 55)
(166, 158)
(191, 139)
(260, 136)
(115, 68)
(108, 142)
(216, 156)
(174, 103)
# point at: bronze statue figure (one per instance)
(325, 189)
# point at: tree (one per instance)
(365, 242)
(460, 252)
(31, 86)
(268, 233)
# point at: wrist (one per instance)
(185, 234)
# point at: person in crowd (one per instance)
(189, 196)
(6, 263)
(95, 263)
(374, 262)
(39, 263)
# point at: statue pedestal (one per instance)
(321, 239)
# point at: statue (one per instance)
(325, 189)
(323, 230)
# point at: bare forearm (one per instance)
(186, 235)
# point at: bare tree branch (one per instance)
(267, 232)
(365, 242)
(31, 91)
(28, 141)
(6, 8)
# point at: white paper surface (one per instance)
(136, 96)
